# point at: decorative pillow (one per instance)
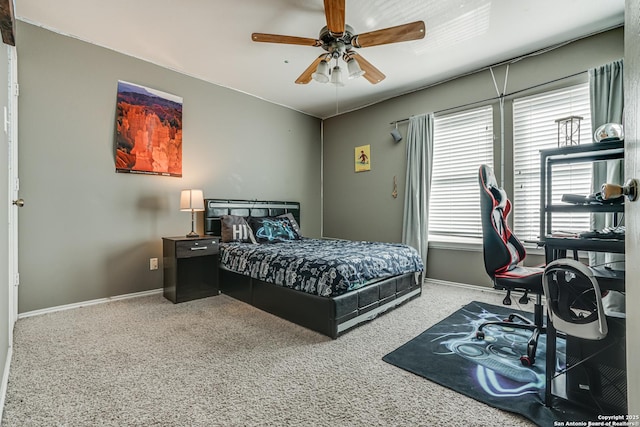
(272, 229)
(235, 229)
(293, 222)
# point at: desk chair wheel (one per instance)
(507, 299)
(532, 347)
(522, 319)
(526, 361)
(524, 299)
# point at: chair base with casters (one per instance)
(514, 320)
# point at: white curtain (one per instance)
(415, 222)
(607, 104)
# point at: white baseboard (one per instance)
(461, 285)
(485, 289)
(87, 303)
(5, 381)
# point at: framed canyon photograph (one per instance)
(148, 138)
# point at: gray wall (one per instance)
(360, 206)
(87, 232)
(4, 219)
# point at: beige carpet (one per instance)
(219, 362)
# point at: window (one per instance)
(462, 142)
(534, 129)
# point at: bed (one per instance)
(329, 286)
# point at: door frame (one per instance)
(11, 123)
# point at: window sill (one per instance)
(533, 249)
(457, 243)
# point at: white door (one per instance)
(11, 126)
(632, 209)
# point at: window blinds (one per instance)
(534, 129)
(462, 142)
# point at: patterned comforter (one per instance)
(320, 267)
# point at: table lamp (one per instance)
(192, 200)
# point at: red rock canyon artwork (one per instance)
(148, 131)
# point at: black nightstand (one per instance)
(190, 267)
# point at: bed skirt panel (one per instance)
(330, 316)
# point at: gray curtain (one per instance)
(607, 104)
(415, 222)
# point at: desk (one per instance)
(608, 279)
(557, 247)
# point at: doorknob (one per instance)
(19, 203)
(612, 191)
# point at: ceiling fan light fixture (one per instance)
(322, 72)
(336, 76)
(354, 69)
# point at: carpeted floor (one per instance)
(219, 362)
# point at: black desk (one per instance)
(608, 279)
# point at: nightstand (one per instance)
(190, 267)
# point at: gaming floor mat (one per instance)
(489, 370)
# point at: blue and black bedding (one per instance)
(322, 267)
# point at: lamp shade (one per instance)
(322, 72)
(336, 76)
(354, 69)
(191, 200)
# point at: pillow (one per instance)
(235, 229)
(293, 222)
(272, 229)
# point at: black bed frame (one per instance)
(330, 316)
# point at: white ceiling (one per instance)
(211, 39)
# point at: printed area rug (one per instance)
(489, 370)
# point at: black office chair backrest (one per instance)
(502, 250)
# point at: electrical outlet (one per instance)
(153, 263)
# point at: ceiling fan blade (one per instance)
(371, 73)
(306, 75)
(275, 38)
(334, 10)
(401, 33)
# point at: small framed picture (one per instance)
(363, 158)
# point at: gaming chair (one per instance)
(502, 252)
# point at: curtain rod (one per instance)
(395, 122)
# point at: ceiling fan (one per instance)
(338, 40)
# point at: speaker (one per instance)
(597, 372)
(396, 135)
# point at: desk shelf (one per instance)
(566, 155)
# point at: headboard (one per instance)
(215, 208)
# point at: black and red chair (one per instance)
(503, 253)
